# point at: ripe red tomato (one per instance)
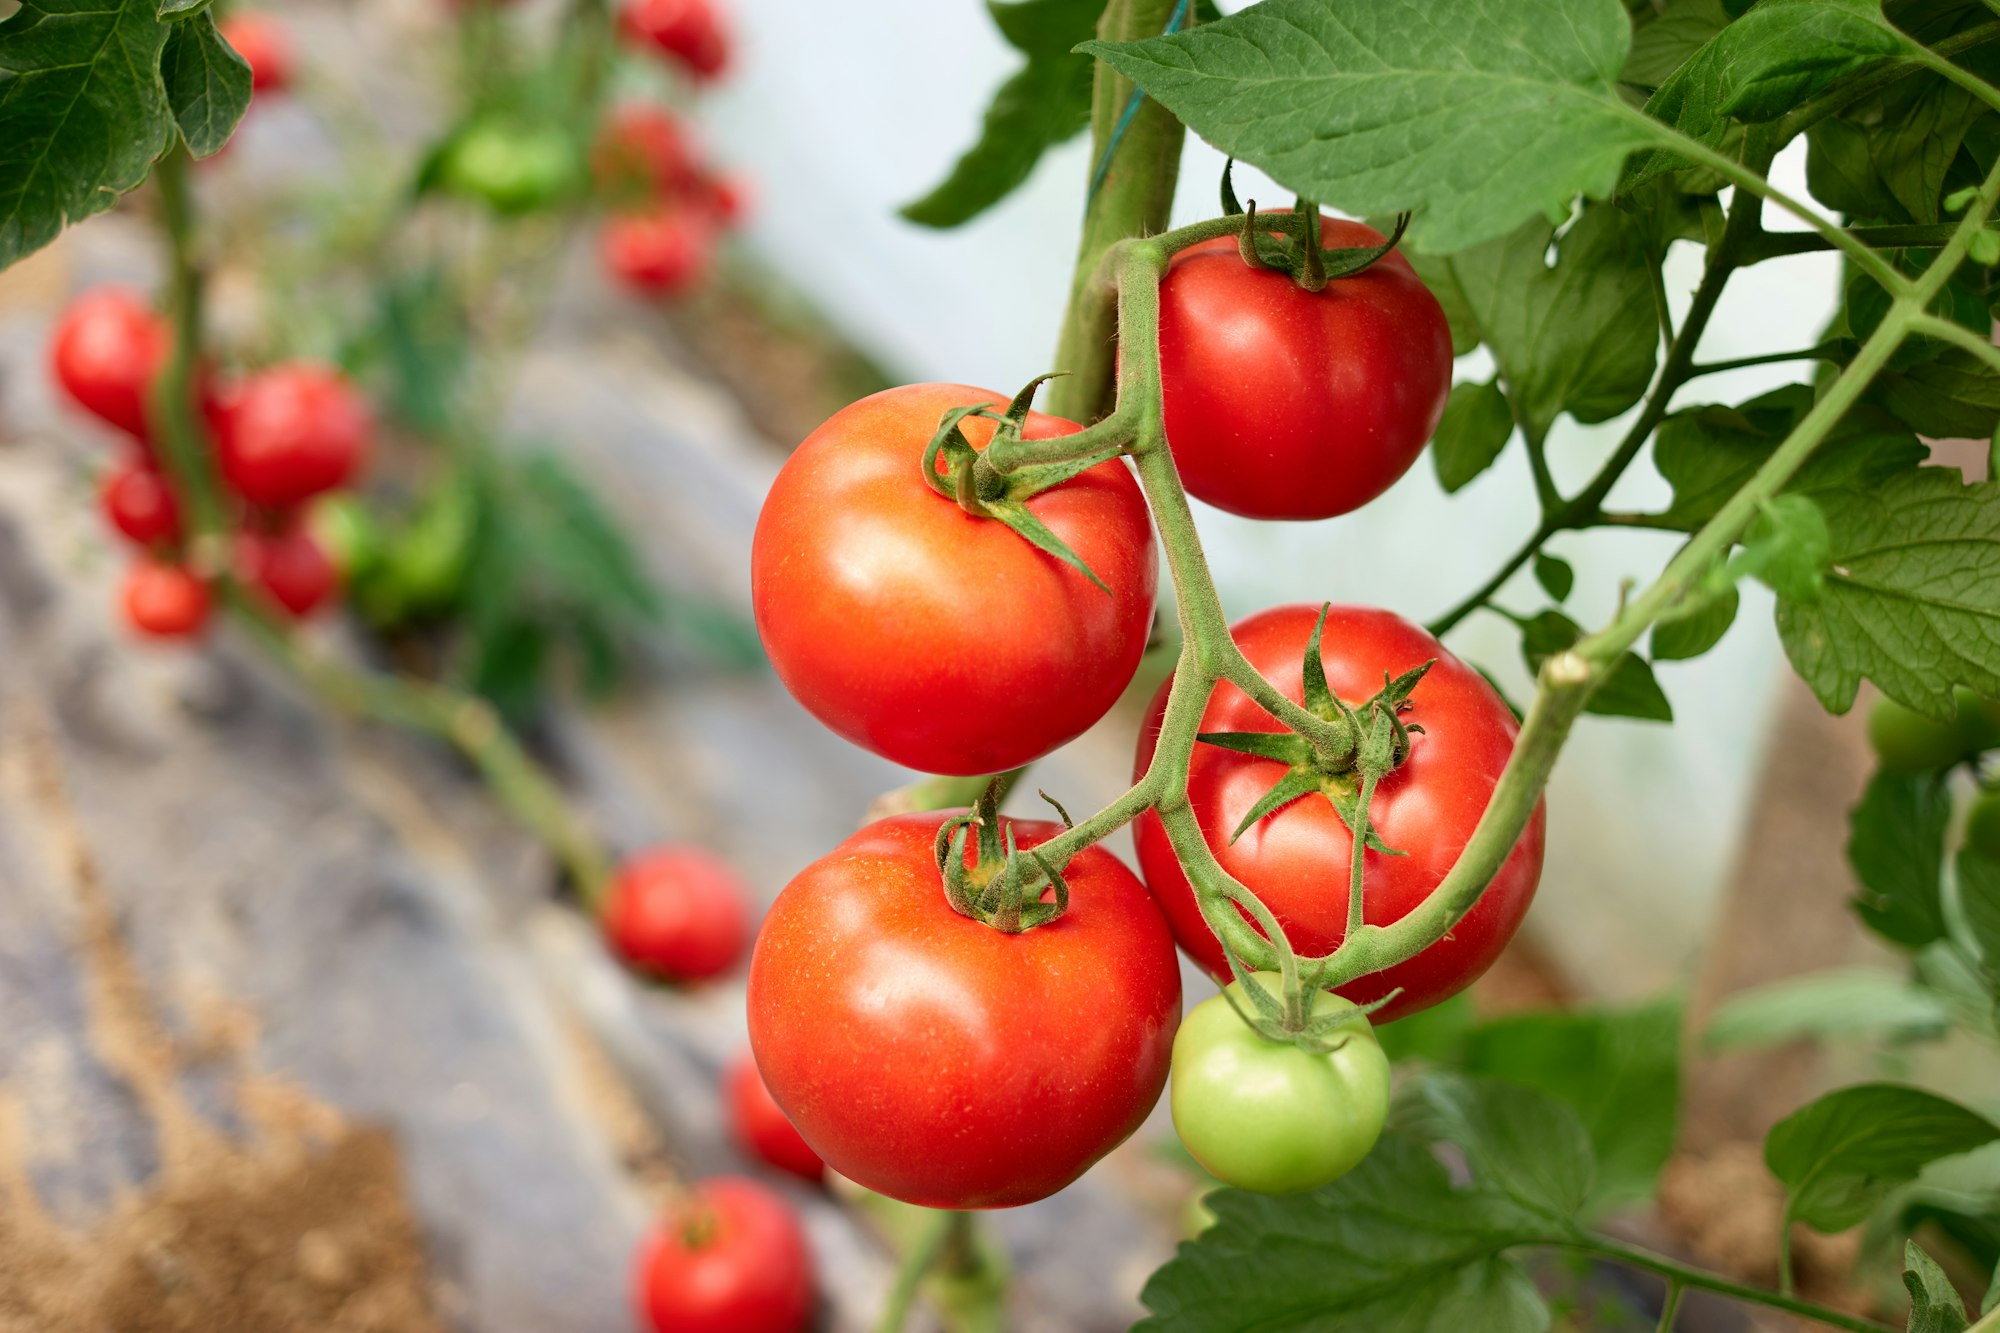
(939, 640)
(1296, 859)
(760, 1127)
(662, 252)
(730, 1257)
(266, 47)
(140, 504)
(678, 912)
(108, 348)
(642, 152)
(937, 1060)
(689, 31)
(1284, 403)
(291, 567)
(725, 196)
(164, 600)
(288, 433)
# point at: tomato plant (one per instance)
(165, 600)
(289, 567)
(678, 912)
(688, 32)
(935, 637)
(661, 252)
(760, 1128)
(1317, 1105)
(938, 1060)
(1282, 402)
(1296, 857)
(289, 433)
(729, 1257)
(140, 504)
(106, 352)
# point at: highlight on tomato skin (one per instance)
(291, 432)
(164, 600)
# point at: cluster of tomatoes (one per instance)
(929, 1055)
(281, 436)
(669, 206)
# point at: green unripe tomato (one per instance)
(512, 169)
(1982, 825)
(347, 532)
(1272, 1116)
(1908, 742)
(427, 562)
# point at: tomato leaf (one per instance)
(1628, 690)
(1979, 906)
(208, 84)
(1896, 845)
(1471, 434)
(1664, 36)
(1952, 395)
(1698, 630)
(1393, 1244)
(1912, 596)
(1473, 116)
(1934, 1303)
(1839, 1003)
(1839, 1156)
(1788, 548)
(1580, 337)
(1886, 156)
(1045, 103)
(85, 110)
(1529, 1147)
(1555, 575)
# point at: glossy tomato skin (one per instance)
(291, 568)
(662, 252)
(1272, 1116)
(677, 912)
(108, 348)
(936, 639)
(1284, 403)
(266, 47)
(730, 1258)
(288, 433)
(140, 504)
(165, 601)
(689, 31)
(1296, 859)
(760, 1128)
(937, 1060)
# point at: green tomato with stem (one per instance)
(512, 169)
(1274, 1116)
(1908, 742)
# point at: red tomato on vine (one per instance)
(678, 912)
(938, 1060)
(107, 350)
(288, 433)
(728, 1257)
(291, 568)
(642, 151)
(760, 1128)
(140, 504)
(940, 640)
(687, 31)
(1285, 403)
(266, 47)
(665, 251)
(164, 600)
(1296, 859)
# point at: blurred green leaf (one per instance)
(1842, 1154)
(1934, 1303)
(208, 85)
(1896, 845)
(1471, 434)
(1832, 1005)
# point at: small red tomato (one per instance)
(730, 1257)
(760, 1126)
(678, 912)
(108, 348)
(725, 197)
(140, 504)
(288, 433)
(164, 600)
(291, 567)
(687, 30)
(266, 47)
(642, 152)
(1285, 403)
(660, 253)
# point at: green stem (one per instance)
(1823, 352)
(1134, 199)
(1920, 236)
(1672, 1305)
(183, 442)
(1787, 1283)
(1797, 121)
(1633, 1257)
(1958, 335)
(1964, 78)
(916, 1264)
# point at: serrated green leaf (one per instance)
(85, 113)
(1886, 156)
(1473, 116)
(1912, 601)
(1471, 434)
(1895, 843)
(1934, 1303)
(1392, 1245)
(1784, 51)
(1788, 548)
(1953, 395)
(1839, 1156)
(1617, 1069)
(1691, 635)
(1664, 36)
(1839, 1004)
(208, 84)
(1045, 103)
(1555, 575)
(1580, 337)
(1530, 1147)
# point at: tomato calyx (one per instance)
(1293, 247)
(966, 477)
(997, 888)
(1369, 743)
(1294, 1016)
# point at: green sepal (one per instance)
(1017, 516)
(1284, 746)
(1348, 806)
(1297, 783)
(1318, 696)
(1231, 206)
